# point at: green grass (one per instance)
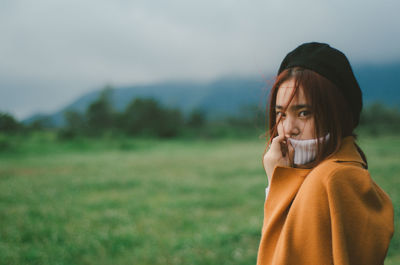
(146, 201)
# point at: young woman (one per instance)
(322, 207)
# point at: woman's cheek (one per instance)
(280, 129)
(307, 129)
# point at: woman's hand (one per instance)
(280, 153)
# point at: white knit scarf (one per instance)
(305, 151)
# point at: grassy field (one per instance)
(146, 201)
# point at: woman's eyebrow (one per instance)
(294, 107)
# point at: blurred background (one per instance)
(131, 132)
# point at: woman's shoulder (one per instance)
(332, 173)
(345, 188)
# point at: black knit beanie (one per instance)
(333, 65)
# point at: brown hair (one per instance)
(332, 113)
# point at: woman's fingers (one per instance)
(273, 156)
(284, 148)
(280, 153)
(291, 152)
(276, 143)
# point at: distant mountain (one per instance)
(217, 99)
(379, 82)
(229, 96)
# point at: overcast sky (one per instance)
(51, 52)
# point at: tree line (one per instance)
(147, 117)
(141, 117)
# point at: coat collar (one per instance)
(286, 181)
(347, 152)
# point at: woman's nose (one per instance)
(289, 125)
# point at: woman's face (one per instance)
(296, 120)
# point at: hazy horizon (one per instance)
(53, 52)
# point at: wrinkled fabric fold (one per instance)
(305, 151)
(331, 214)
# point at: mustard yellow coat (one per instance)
(331, 214)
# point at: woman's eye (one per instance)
(280, 114)
(304, 113)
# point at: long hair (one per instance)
(332, 113)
